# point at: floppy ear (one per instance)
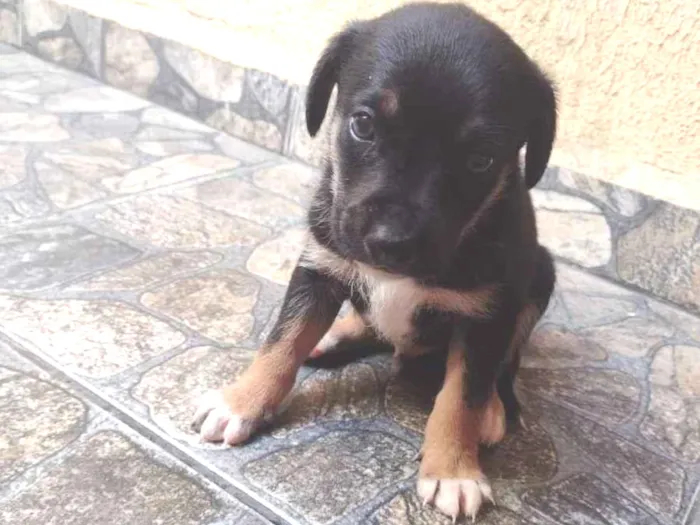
(325, 76)
(540, 133)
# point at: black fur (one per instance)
(401, 202)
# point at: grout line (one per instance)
(167, 444)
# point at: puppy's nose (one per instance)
(387, 245)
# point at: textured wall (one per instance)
(628, 70)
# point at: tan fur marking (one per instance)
(489, 201)
(389, 102)
(351, 326)
(451, 445)
(525, 322)
(271, 375)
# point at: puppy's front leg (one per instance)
(467, 412)
(235, 412)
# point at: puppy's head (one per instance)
(434, 103)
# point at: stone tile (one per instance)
(633, 337)
(303, 147)
(684, 322)
(663, 255)
(151, 271)
(88, 32)
(241, 198)
(406, 508)
(559, 215)
(109, 476)
(93, 338)
(693, 516)
(276, 259)
(350, 393)
(168, 148)
(672, 421)
(43, 15)
(645, 476)
(211, 78)
(94, 160)
(12, 159)
(10, 103)
(553, 346)
(40, 83)
(165, 133)
(9, 27)
(107, 125)
(244, 151)
(61, 50)
(177, 223)
(171, 389)
(169, 119)
(586, 499)
(169, 171)
(572, 279)
(218, 304)
(94, 99)
(39, 419)
(259, 132)
(270, 92)
(64, 190)
(47, 256)
(527, 456)
(626, 202)
(292, 180)
(19, 63)
(334, 474)
(31, 127)
(586, 309)
(409, 404)
(18, 204)
(129, 61)
(609, 396)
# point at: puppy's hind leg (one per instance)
(350, 338)
(349, 327)
(539, 295)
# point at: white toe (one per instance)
(448, 496)
(215, 423)
(471, 497)
(426, 489)
(237, 431)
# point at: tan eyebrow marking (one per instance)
(388, 102)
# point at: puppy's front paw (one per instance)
(216, 418)
(455, 497)
(450, 479)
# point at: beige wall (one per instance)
(628, 71)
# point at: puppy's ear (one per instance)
(541, 132)
(325, 75)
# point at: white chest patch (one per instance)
(393, 300)
(392, 306)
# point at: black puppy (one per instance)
(423, 221)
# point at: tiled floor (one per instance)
(142, 259)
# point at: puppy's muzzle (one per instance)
(391, 234)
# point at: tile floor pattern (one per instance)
(142, 259)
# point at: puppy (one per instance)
(423, 221)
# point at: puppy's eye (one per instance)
(362, 126)
(477, 163)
